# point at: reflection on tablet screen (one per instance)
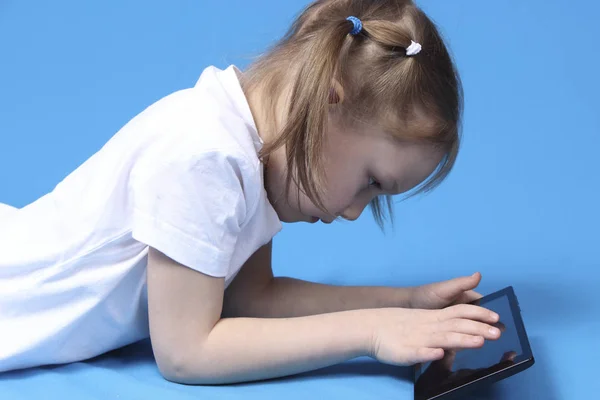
(466, 364)
(492, 351)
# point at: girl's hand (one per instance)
(443, 294)
(405, 337)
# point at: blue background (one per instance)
(521, 206)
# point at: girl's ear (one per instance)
(336, 92)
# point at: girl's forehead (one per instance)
(385, 139)
(395, 124)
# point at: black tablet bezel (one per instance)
(492, 374)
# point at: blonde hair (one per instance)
(414, 98)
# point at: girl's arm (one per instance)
(256, 293)
(290, 297)
(193, 345)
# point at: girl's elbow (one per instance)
(186, 367)
(174, 367)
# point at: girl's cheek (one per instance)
(344, 200)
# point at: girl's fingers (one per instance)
(500, 326)
(472, 281)
(468, 297)
(469, 327)
(468, 311)
(426, 354)
(453, 340)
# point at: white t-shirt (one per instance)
(183, 177)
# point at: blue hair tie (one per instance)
(357, 25)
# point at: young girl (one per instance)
(166, 231)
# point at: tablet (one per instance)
(461, 372)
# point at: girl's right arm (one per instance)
(192, 344)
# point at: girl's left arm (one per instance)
(255, 292)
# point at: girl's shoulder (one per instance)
(213, 116)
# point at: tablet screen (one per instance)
(459, 368)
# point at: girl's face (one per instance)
(359, 166)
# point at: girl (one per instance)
(166, 231)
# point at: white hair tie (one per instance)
(413, 49)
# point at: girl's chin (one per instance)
(290, 219)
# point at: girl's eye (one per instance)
(373, 182)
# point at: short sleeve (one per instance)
(192, 210)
